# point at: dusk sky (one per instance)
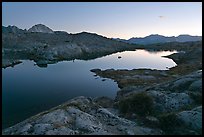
(110, 19)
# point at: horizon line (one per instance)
(102, 34)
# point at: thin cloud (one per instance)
(162, 17)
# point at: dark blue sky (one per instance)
(123, 20)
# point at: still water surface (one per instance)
(28, 89)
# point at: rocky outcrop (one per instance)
(192, 81)
(175, 98)
(171, 95)
(78, 116)
(192, 118)
(169, 102)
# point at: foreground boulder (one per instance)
(80, 115)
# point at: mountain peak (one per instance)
(40, 28)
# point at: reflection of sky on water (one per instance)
(29, 89)
(132, 60)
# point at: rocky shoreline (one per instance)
(45, 46)
(9, 63)
(181, 109)
(149, 102)
(172, 100)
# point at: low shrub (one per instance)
(197, 97)
(169, 122)
(140, 103)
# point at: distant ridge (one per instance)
(12, 29)
(155, 38)
(151, 39)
